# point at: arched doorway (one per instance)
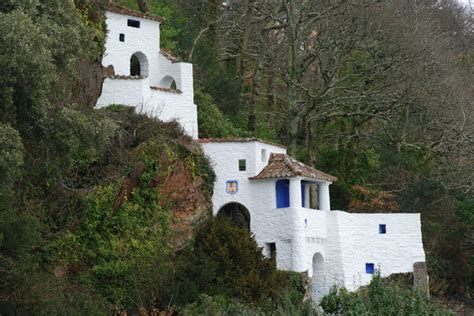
(238, 214)
(138, 65)
(319, 277)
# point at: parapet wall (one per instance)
(164, 104)
(362, 242)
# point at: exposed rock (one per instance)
(183, 192)
(88, 86)
(420, 277)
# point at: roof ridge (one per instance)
(282, 165)
(238, 140)
(296, 172)
(115, 8)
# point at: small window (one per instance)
(264, 155)
(122, 37)
(369, 268)
(133, 23)
(272, 250)
(382, 229)
(242, 165)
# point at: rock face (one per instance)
(88, 86)
(184, 192)
(420, 277)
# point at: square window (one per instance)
(122, 37)
(382, 229)
(133, 23)
(271, 250)
(242, 165)
(369, 268)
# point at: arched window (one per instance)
(135, 66)
(168, 82)
(282, 188)
(138, 65)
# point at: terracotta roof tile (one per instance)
(126, 11)
(166, 89)
(125, 77)
(237, 140)
(285, 166)
(169, 55)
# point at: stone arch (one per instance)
(237, 213)
(168, 82)
(138, 64)
(319, 276)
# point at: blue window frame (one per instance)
(303, 194)
(133, 23)
(382, 228)
(369, 268)
(282, 188)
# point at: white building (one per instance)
(144, 76)
(287, 207)
(283, 202)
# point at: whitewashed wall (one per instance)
(145, 39)
(224, 158)
(165, 105)
(393, 252)
(345, 241)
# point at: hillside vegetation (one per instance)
(108, 212)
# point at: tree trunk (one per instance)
(144, 6)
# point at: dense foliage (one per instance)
(384, 103)
(380, 297)
(226, 261)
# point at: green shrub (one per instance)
(219, 306)
(380, 297)
(225, 260)
(211, 121)
(120, 250)
(11, 157)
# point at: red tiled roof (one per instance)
(126, 11)
(169, 55)
(237, 140)
(285, 166)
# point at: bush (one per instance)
(380, 297)
(226, 261)
(211, 121)
(218, 306)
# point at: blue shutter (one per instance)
(303, 194)
(369, 268)
(282, 193)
